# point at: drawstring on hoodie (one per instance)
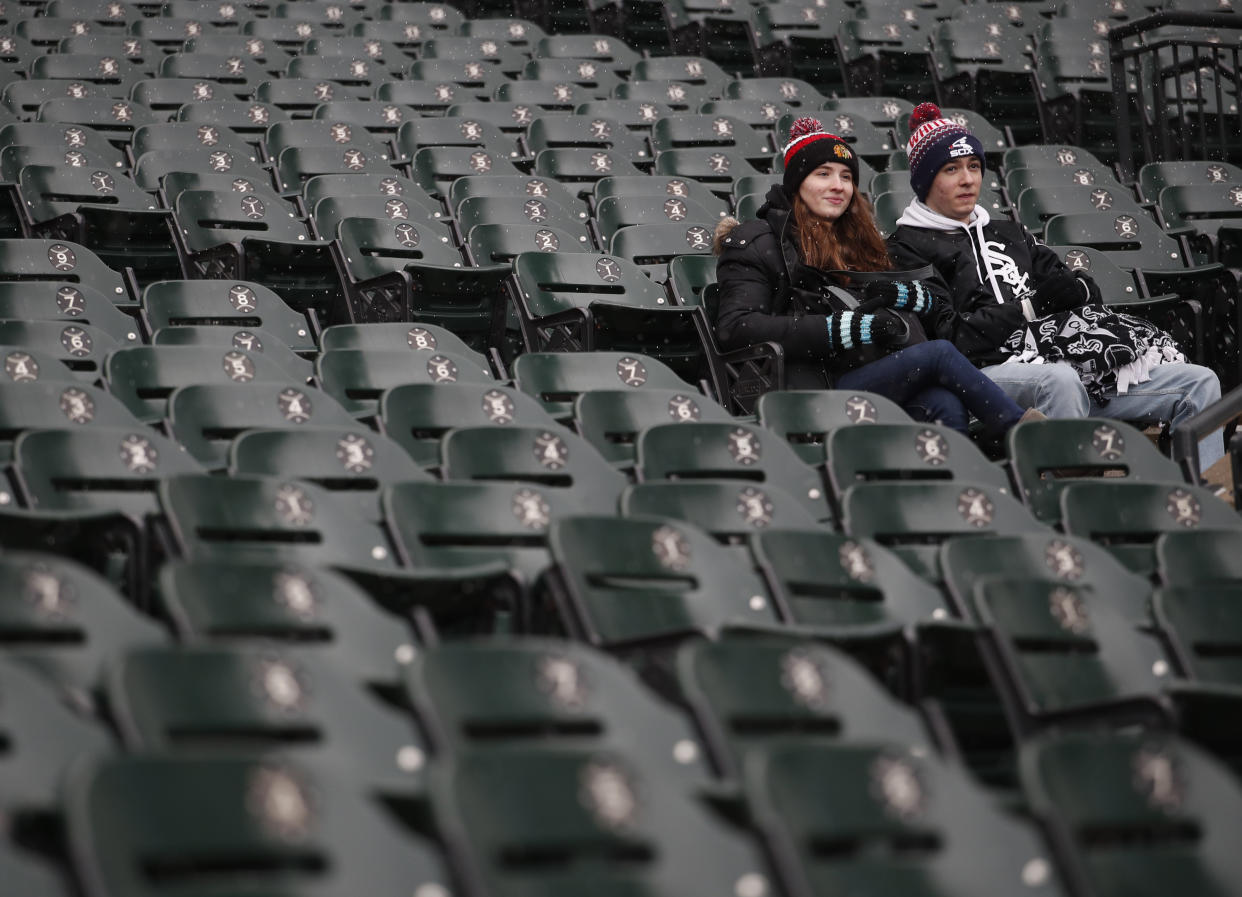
(919, 214)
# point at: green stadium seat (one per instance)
(914, 519)
(1048, 558)
(1047, 456)
(1127, 517)
(354, 465)
(46, 735)
(241, 237)
(418, 415)
(454, 130)
(736, 451)
(875, 795)
(301, 610)
(1120, 805)
(403, 272)
(749, 692)
(483, 800)
(67, 304)
(68, 623)
(582, 302)
(622, 582)
(129, 815)
(806, 418)
(211, 700)
(356, 378)
(556, 379)
(243, 304)
(96, 469)
(205, 418)
(534, 692)
(612, 419)
(143, 377)
(455, 524)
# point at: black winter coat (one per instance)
(966, 311)
(767, 293)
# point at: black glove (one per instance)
(903, 295)
(853, 329)
(887, 328)
(1060, 292)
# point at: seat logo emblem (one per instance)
(531, 509)
(683, 408)
(355, 453)
(744, 446)
(551, 451)
(1184, 508)
(975, 507)
(77, 406)
(138, 455)
(21, 367)
(754, 507)
(294, 405)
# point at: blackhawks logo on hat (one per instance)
(842, 151)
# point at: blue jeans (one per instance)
(1174, 393)
(933, 381)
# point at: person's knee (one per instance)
(1059, 391)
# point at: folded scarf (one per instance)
(1108, 349)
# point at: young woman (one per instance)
(785, 277)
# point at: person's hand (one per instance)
(903, 295)
(887, 328)
(1060, 292)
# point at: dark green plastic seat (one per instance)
(549, 456)
(418, 415)
(61, 261)
(81, 348)
(205, 418)
(302, 610)
(1127, 518)
(747, 692)
(203, 821)
(583, 302)
(455, 524)
(913, 519)
(1122, 807)
(356, 378)
(46, 404)
(253, 340)
(807, 418)
(45, 736)
(143, 377)
(259, 702)
(260, 518)
(908, 452)
(666, 842)
(622, 582)
(355, 466)
(874, 796)
(1049, 455)
(527, 693)
(738, 451)
(96, 468)
(67, 622)
(558, 378)
(612, 419)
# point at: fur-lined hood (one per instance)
(724, 227)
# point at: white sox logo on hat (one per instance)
(961, 147)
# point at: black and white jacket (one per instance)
(983, 272)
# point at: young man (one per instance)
(991, 278)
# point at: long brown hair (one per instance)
(850, 243)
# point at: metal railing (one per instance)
(1188, 105)
(1186, 438)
